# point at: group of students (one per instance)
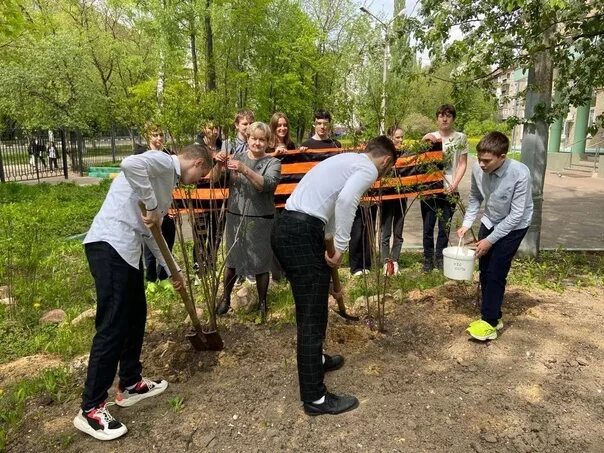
(318, 216)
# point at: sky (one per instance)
(383, 8)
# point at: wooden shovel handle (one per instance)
(335, 277)
(174, 270)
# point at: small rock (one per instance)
(465, 390)
(489, 438)
(235, 417)
(88, 314)
(582, 361)
(459, 360)
(272, 433)
(243, 292)
(55, 316)
(573, 363)
(398, 295)
(472, 369)
(7, 301)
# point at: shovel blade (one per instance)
(206, 341)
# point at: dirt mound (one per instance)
(26, 367)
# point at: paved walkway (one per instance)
(573, 211)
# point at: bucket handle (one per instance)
(460, 244)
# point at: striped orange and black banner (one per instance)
(413, 175)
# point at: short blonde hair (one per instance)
(259, 126)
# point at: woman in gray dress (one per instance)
(253, 178)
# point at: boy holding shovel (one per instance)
(113, 248)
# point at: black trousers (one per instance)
(494, 268)
(359, 247)
(392, 222)
(437, 208)
(154, 270)
(298, 243)
(120, 323)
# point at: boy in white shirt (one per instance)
(113, 248)
(322, 205)
(441, 207)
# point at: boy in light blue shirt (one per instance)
(505, 187)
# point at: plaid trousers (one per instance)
(298, 243)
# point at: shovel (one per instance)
(336, 285)
(201, 341)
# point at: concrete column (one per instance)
(555, 136)
(581, 123)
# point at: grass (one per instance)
(559, 269)
(55, 385)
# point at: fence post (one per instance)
(80, 152)
(64, 154)
(2, 178)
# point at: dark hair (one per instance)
(381, 146)
(446, 109)
(198, 151)
(494, 143)
(244, 113)
(392, 129)
(322, 114)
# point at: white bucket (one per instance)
(458, 262)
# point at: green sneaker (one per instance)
(499, 325)
(482, 330)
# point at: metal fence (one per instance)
(23, 159)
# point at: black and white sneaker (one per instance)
(99, 423)
(145, 388)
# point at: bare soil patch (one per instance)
(423, 385)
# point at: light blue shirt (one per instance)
(508, 199)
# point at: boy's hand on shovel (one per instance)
(151, 218)
(178, 281)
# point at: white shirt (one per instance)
(149, 177)
(454, 146)
(507, 194)
(331, 191)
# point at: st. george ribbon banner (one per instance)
(414, 174)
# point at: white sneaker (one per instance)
(145, 388)
(99, 424)
(386, 269)
(395, 268)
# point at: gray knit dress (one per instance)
(250, 217)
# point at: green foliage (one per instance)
(475, 128)
(512, 34)
(177, 403)
(416, 125)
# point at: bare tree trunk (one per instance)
(210, 64)
(193, 44)
(534, 143)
